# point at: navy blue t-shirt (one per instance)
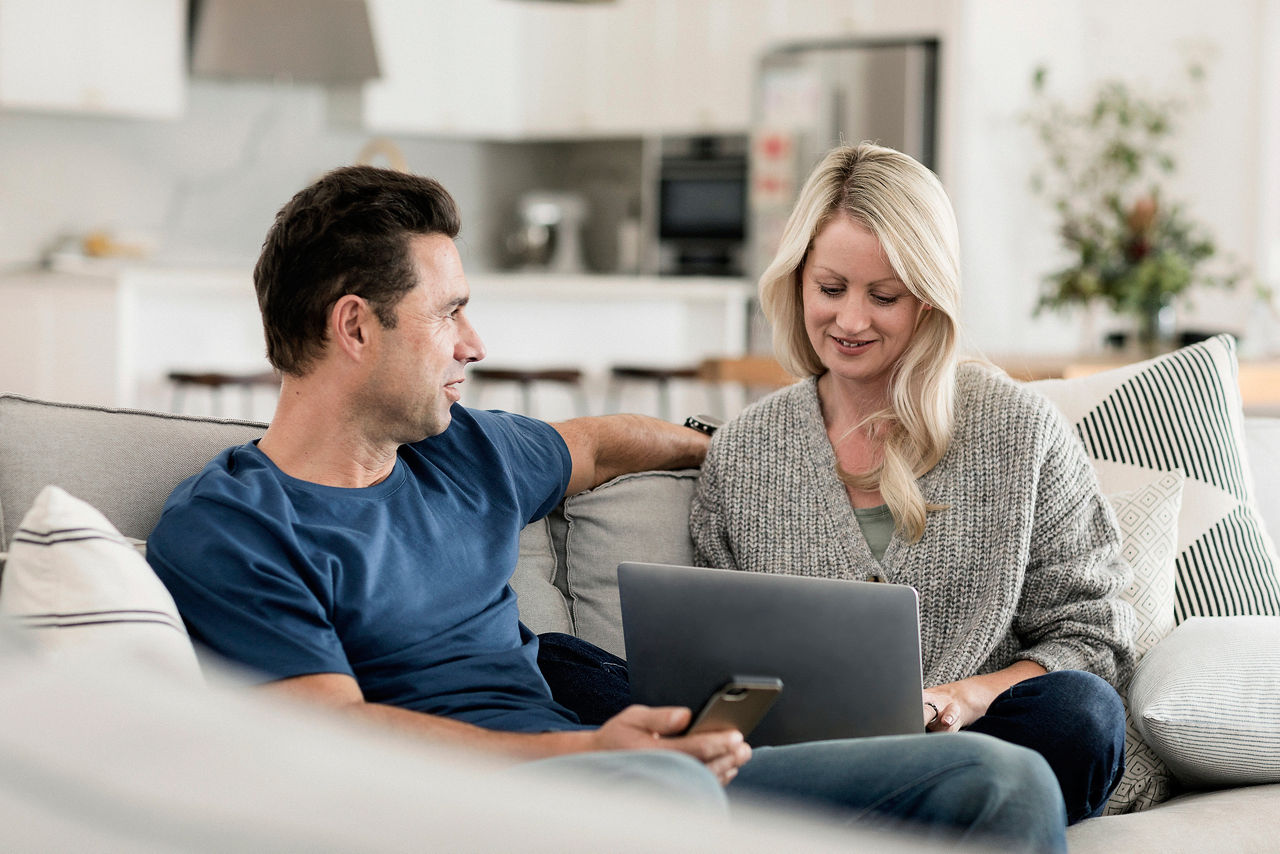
(402, 585)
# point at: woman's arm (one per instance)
(711, 545)
(961, 703)
(1070, 615)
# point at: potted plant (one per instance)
(1133, 248)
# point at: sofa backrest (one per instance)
(124, 462)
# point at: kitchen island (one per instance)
(110, 335)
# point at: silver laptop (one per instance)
(847, 652)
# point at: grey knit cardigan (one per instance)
(1023, 564)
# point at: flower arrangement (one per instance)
(1133, 249)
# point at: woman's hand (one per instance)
(961, 703)
(958, 704)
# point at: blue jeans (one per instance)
(666, 773)
(1075, 720)
(951, 786)
(961, 785)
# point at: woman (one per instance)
(893, 462)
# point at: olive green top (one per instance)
(877, 526)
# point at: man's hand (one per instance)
(634, 728)
(647, 728)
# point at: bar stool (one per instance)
(216, 381)
(659, 375)
(571, 378)
(754, 375)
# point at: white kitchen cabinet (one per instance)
(507, 70)
(110, 57)
(578, 69)
(449, 67)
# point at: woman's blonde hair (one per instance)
(903, 204)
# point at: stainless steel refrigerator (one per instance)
(811, 97)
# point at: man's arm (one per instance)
(605, 446)
(634, 728)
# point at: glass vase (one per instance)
(1157, 326)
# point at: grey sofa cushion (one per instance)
(542, 607)
(1220, 822)
(637, 517)
(123, 462)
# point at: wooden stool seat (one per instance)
(661, 375)
(216, 381)
(651, 372)
(526, 377)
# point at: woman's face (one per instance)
(857, 312)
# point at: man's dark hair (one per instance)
(348, 233)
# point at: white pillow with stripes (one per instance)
(1204, 700)
(1183, 411)
(81, 589)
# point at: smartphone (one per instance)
(739, 704)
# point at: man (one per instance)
(358, 554)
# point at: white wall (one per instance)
(1007, 233)
(203, 189)
(1268, 229)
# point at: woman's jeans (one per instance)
(1074, 719)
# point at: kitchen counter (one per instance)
(592, 323)
(110, 334)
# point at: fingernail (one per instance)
(948, 719)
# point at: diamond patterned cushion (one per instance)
(1148, 518)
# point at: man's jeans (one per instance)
(964, 784)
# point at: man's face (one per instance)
(419, 364)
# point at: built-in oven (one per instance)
(702, 206)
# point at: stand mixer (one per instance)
(549, 236)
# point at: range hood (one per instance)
(309, 41)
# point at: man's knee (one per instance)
(1008, 791)
(665, 773)
(1007, 768)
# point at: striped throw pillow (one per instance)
(1204, 700)
(81, 589)
(1182, 411)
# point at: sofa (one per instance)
(1202, 733)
